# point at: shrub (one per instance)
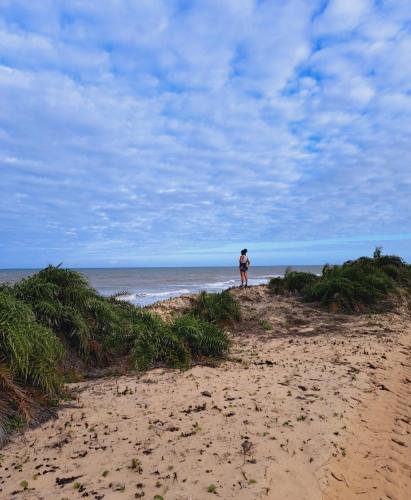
(277, 285)
(293, 281)
(296, 281)
(203, 338)
(356, 285)
(216, 307)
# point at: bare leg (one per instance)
(242, 278)
(246, 278)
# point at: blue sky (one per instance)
(148, 132)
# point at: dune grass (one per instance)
(30, 354)
(203, 338)
(356, 286)
(56, 315)
(216, 307)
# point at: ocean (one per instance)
(145, 286)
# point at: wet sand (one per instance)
(309, 405)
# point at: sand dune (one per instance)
(309, 406)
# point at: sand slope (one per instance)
(300, 411)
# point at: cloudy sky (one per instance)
(155, 132)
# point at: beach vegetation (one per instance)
(202, 337)
(155, 342)
(293, 281)
(356, 286)
(54, 326)
(266, 325)
(24, 485)
(212, 488)
(216, 307)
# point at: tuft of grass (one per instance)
(293, 281)
(30, 351)
(212, 488)
(202, 338)
(156, 342)
(30, 355)
(216, 307)
(24, 485)
(265, 324)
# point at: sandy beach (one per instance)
(309, 405)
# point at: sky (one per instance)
(177, 132)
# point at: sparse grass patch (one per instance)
(265, 324)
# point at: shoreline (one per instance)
(280, 418)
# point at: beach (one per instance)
(308, 405)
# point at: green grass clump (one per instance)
(299, 281)
(155, 342)
(216, 307)
(62, 300)
(355, 286)
(174, 344)
(30, 357)
(30, 351)
(293, 281)
(202, 337)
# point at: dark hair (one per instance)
(243, 252)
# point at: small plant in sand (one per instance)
(24, 485)
(212, 488)
(265, 324)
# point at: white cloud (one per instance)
(342, 15)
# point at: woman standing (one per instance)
(244, 265)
